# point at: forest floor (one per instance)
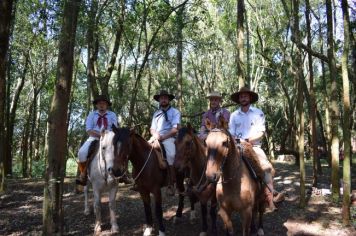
(21, 210)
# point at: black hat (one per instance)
(101, 98)
(163, 93)
(235, 96)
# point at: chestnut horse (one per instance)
(147, 174)
(191, 152)
(236, 189)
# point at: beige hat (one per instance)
(214, 94)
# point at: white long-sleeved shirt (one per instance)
(245, 125)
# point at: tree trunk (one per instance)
(5, 22)
(12, 115)
(334, 116)
(347, 115)
(240, 43)
(179, 56)
(53, 216)
(298, 70)
(93, 49)
(25, 143)
(312, 108)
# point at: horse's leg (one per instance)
(246, 217)
(261, 211)
(213, 205)
(159, 212)
(97, 209)
(193, 214)
(253, 228)
(145, 196)
(180, 187)
(226, 217)
(179, 209)
(204, 213)
(86, 207)
(112, 208)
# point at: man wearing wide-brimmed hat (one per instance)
(215, 110)
(247, 124)
(99, 119)
(164, 127)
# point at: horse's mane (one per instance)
(121, 135)
(182, 132)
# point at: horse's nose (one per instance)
(213, 178)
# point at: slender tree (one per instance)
(240, 43)
(312, 107)
(334, 116)
(347, 116)
(298, 70)
(57, 123)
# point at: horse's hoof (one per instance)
(97, 229)
(148, 231)
(114, 229)
(260, 232)
(193, 216)
(160, 233)
(203, 234)
(86, 212)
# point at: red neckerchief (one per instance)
(102, 120)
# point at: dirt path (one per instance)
(21, 211)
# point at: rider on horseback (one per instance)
(99, 119)
(164, 127)
(247, 124)
(213, 113)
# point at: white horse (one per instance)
(102, 179)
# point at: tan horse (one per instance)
(236, 190)
(191, 153)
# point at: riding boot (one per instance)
(171, 181)
(269, 200)
(278, 197)
(83, 177)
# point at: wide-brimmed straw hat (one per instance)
(214, 94)
(235, 96)
(163, 93)
(101, 98)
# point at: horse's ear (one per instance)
(132, 130)
(115, 129)
(190, 128)
(222, 123)
(208, 124)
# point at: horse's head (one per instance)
(184, 147)
(122, 146)
(218, 143)
(106, 152)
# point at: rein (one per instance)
(144, 165)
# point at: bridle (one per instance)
(144, 165)
(189, 154)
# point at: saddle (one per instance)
(251, 160)
(160, 153)
(93, 149)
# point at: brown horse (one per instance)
(191, 152)
(236, 189)
(147, 174)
